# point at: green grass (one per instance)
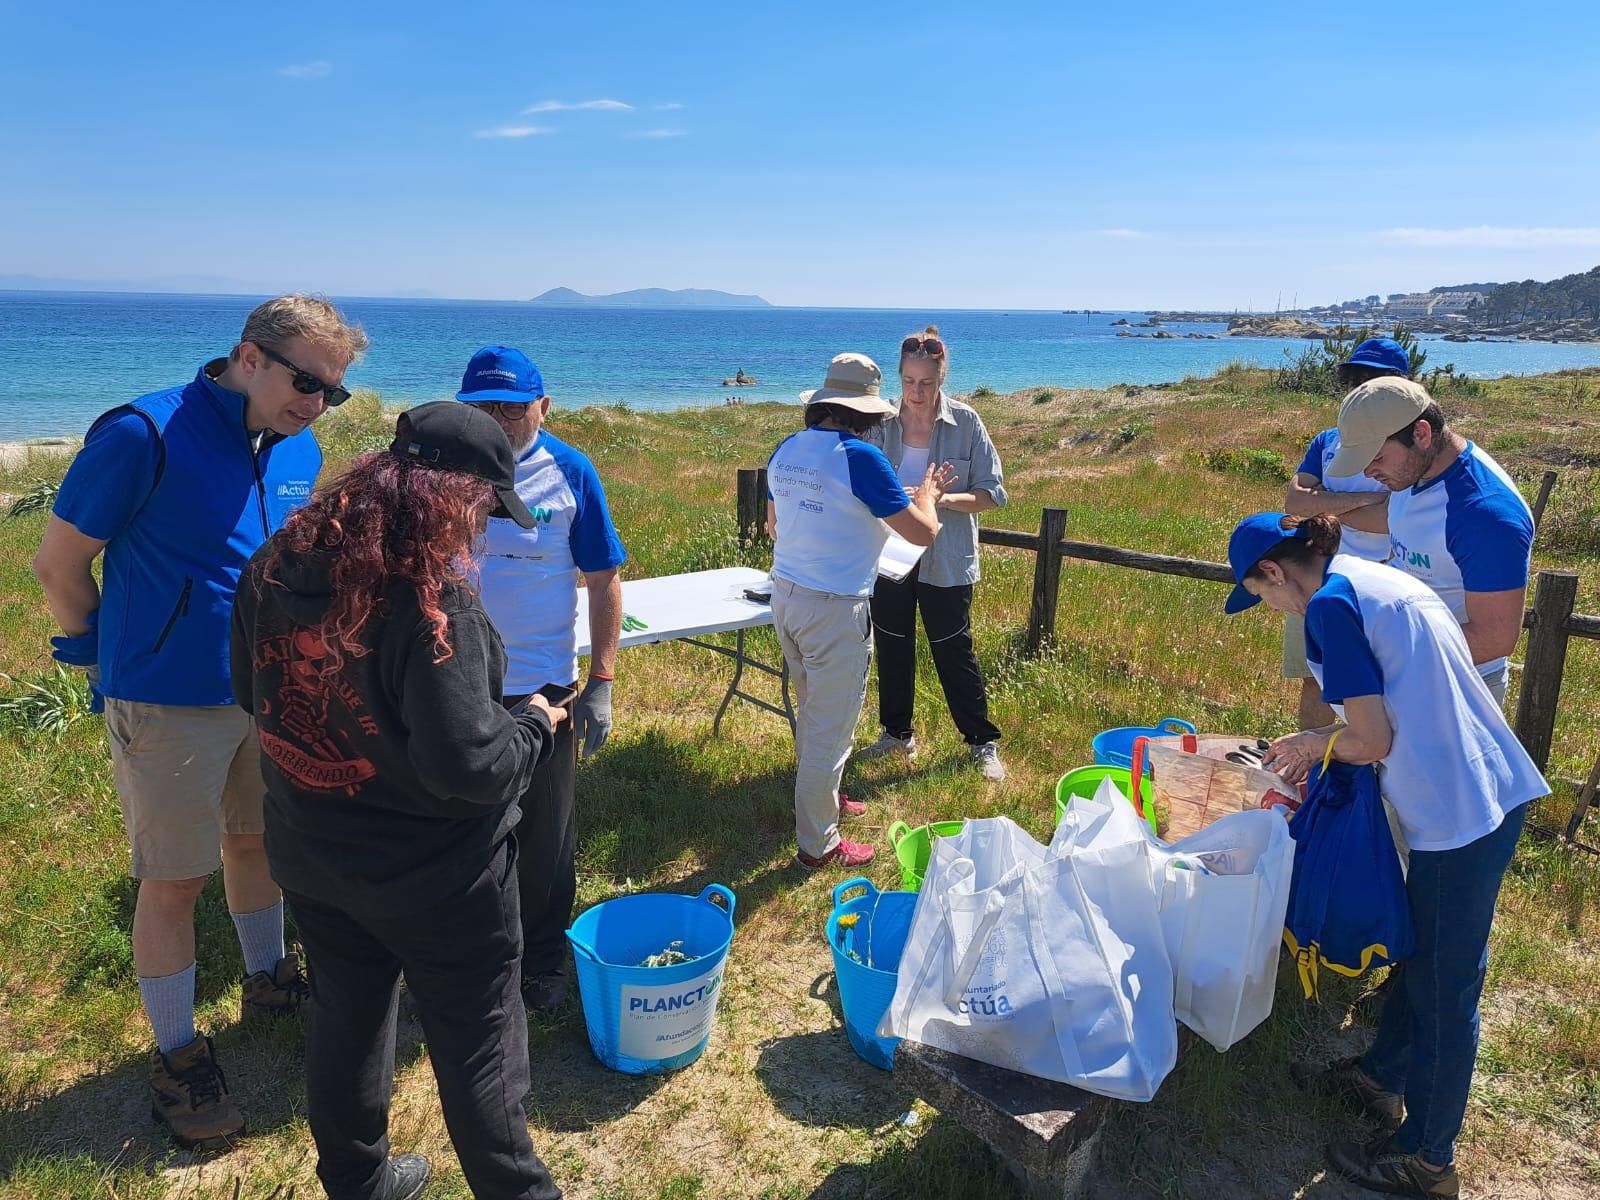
(779, 1107)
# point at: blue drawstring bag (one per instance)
(1348, 910)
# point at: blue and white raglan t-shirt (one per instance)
(529, 577)
(1467, 529)
(1455, 768)
(1374, 547)
(829, 490)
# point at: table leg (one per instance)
(733, 688)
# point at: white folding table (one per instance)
(687, 608)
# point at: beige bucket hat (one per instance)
(853, 381)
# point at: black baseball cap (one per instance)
(459, 437)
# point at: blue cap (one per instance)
(1385, 354)
(1251, 539)
(500, 373)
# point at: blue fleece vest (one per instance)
(166, 606)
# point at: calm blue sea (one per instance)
(67, 356)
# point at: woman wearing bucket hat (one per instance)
(392, 773)
(930, 427)
(830, 494)
(1394, 664)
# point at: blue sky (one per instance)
(1052, 155)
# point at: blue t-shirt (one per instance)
(1455, 767)
(1372, 546)
(1466, 530)
(111, 478)
(529, 577)
(829, 490)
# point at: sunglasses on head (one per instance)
(931, 346)
(306, 383)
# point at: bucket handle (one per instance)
(1175, 725)
(897, 833)
(1139, 745)
(720, 896)
(582, 947)
(849, 885)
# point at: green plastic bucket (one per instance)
(1083, 782)
(913, 846)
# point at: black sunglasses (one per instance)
(305, 382)
(931, 346)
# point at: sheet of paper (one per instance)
(898, 557)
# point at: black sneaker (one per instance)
(408, 1175)
(1347, 1083)
(544, 993)
(1379, 1166)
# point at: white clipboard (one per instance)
(898, 557)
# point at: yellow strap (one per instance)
(1328, 755)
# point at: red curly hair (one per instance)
(386, 518)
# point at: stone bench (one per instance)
(1046, 1132)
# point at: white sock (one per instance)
(260, 937)
(169, 1002)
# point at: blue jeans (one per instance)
(1428, 1035)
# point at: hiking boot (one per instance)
(849, 807)
(845, 854)
(1347, 1083)
(546, 992)
(408, 1176)
(888, 744)
(987, 757)
(1382, 1168)
(278, 993)
(189, 1095)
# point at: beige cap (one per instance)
(853, 382)
(1372, 414)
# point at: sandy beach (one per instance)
(18, 455)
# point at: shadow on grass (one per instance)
(816, 1079)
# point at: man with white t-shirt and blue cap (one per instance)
(530, 589)
(1357, 501)
(1455, 519)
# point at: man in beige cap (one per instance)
(1455, 519)
(830, 494)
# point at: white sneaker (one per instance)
(987, 757)
(888, 744)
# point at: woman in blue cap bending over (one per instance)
(1394, 665)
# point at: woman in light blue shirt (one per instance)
(927, 428)
(1393, 662)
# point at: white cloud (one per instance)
(669, 106)
(1496, 237)
(309, 70)
(513, 131)
(660, 133)
(1121, 235)
(545, 106)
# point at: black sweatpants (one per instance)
(947, 617)
(547, 840)
(459, 957)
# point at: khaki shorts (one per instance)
(1294, 647)
(185, 775)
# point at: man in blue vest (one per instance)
(178, 489)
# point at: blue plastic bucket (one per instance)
(872, 926)
(1114, 747)
(650, 1020)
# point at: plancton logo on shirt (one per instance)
(543, 516)
(1411, 558)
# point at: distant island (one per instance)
(654, 298)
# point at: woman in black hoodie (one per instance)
(392, 773)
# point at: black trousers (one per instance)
(459, 957)
(547, 840)
(947, 617)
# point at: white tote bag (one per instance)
(1049, 961)
(1223, 893)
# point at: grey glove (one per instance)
(591, 715)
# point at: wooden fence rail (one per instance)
(1550, 621)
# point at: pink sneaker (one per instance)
(849, 807)
(845, 854)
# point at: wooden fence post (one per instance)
(1543, 498)
(1553, 598)
(752, 505)
(1046, 580)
